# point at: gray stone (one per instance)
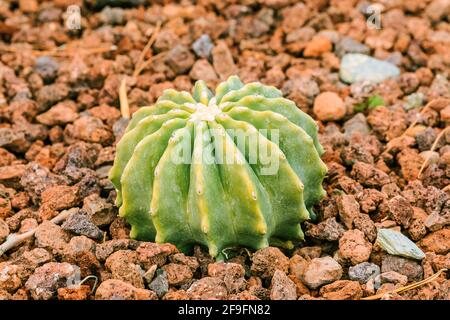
(357, 124)
(357, 67)
(79, 223)
(396, 243)
(414, 100)
(203, 46)
(350, 45)
(112, 16)
(46, 67)
(363, 272)
(160, 285)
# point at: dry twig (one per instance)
(411, 125)
(409, 287)
(140, 65)
(424, 164)
(15, 239)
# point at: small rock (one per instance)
(437, 220)
(282, 288)
(114, 289)
(50, 236)
(177, 274)
(348, 209)
(36, 257)
(342, 290)
(367, 226)
(80, 251)
(60, 114)
(437, 242)
(321, 271)
(410, 268)
(99, 211)
(368, 175)
(329, 230)
(4, 230)
(180, 59)
(150, 253)
(208, 288)
(350, 45)
(396, 243)
(79, 223)
(437, 10)
(400, 210)
(47, 68)
(74, 293)
(363, 272)
(149, 274)
(203, 70)
(317, 46)
(51, 94)
(393, 277)
(36, 179)
(10, 279)
(414, 100)
(160, 284)
(119, 229)
(354, 247)
(181, 258)
(203, 46)
(223, 61)
(56, 198)
(46, 280)
(231, 273)
(105, 249)
(309, 253)
(4, 295)
(10, 175)
(357, 124)
(265, 261)
(89, 129)
(124, 266)
(328, 106)
(166, 40)
(357, 67)
(112, 16)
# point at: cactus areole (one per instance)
(240, 168)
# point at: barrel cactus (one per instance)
(173, 184)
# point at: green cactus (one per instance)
(207, 200)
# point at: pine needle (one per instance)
(409, 287)
(140, 65)
(425, 163)
(123, 98)
(138, 69)
(411, 125)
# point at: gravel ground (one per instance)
(381, 123)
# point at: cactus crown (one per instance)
(241, 168)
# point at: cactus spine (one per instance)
(206, 200)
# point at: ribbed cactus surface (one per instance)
(238, 168)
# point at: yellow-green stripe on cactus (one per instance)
(238, 168)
